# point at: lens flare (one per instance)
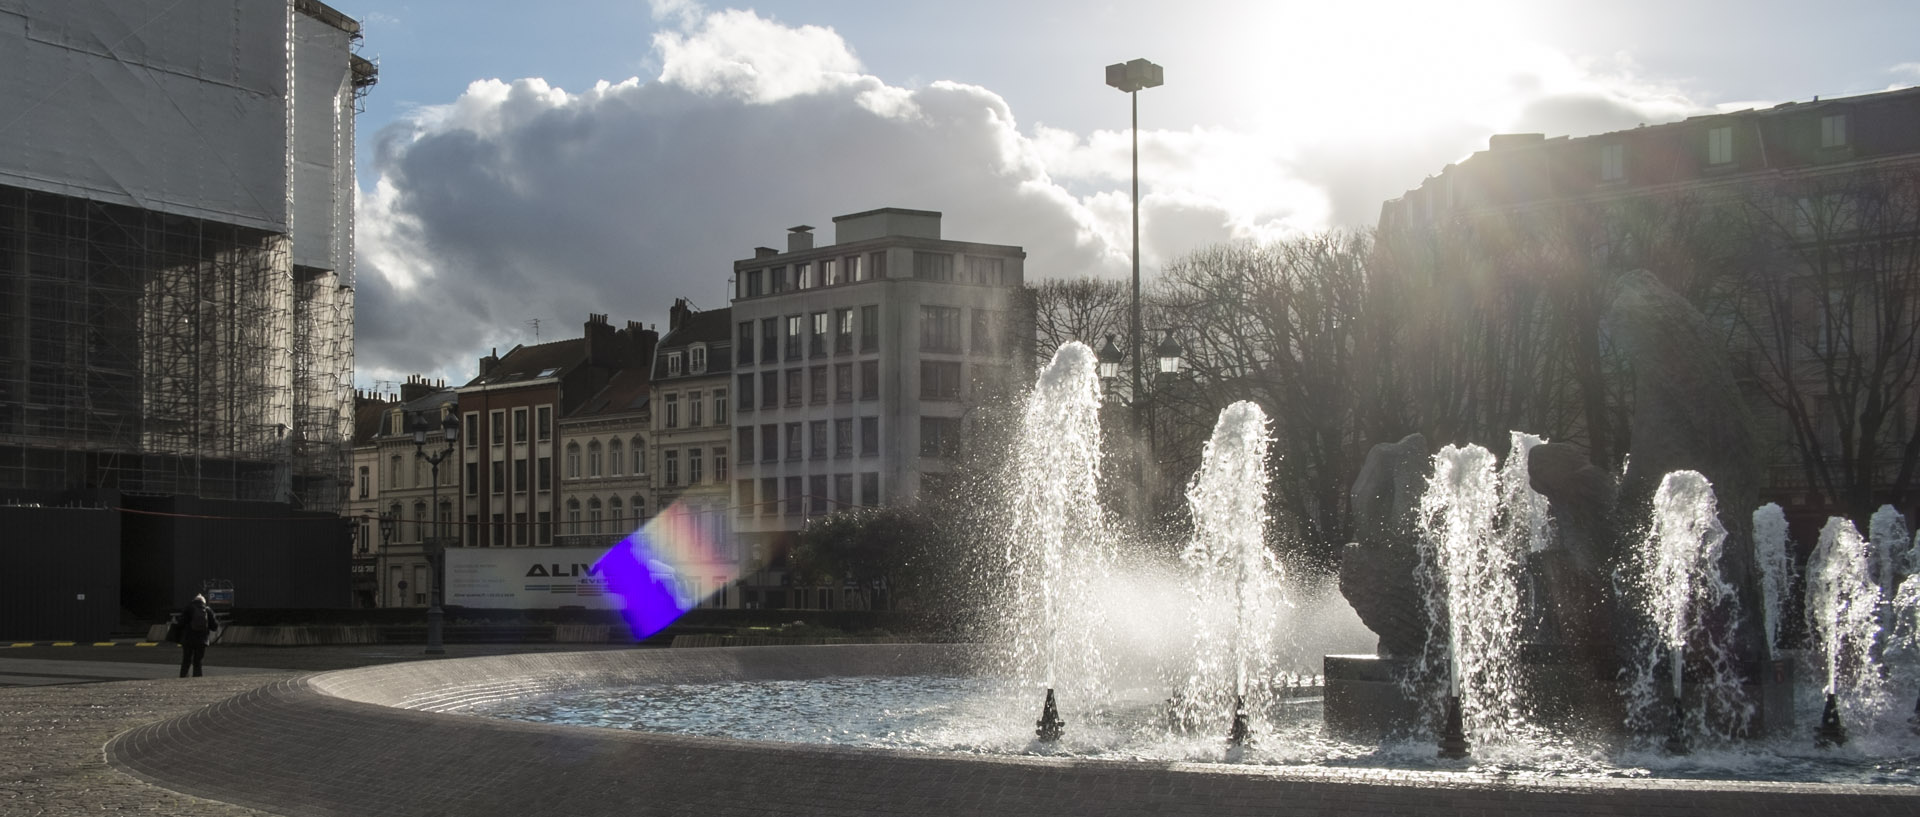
(661, 570)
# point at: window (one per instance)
(573, 516)
(984, 270)
(817, 339)
(697, 359)
(543, 528)
(673, 364)
(670, 468)
(470, 533)
(498, 421)
(1613, 166)
(842, 491)
(870, 488)
(853, 271)
(793, 495)
(769, 496)
(769, 389)
(756, 283)
(843, 438)
(544, 477)
(743, 496)
(793, 387)
(419, 471)
(719, 407)
(693, 466)
(939, 380)
(769, 443)
(870, 328)
(803, 273)
(573, 460)
(817, 490)
(829, 272)
(473, 431)
(593, 515)
(938, 436)
(499, 477)
(932, 266)
(617, 514)
(743, 439)
(520, 476)
(543, 423)
(594, 463)
(843, 383)
(769, 340)
(878, 263)
(1719, 145)
(1833, 130)
(983, 334)
(817, 440)
(693, 409)
(817, 385)
(473, 479)
(842, 331)
(637, 449)
(639, 505)
(520, 425)
(793, 441)
(745, 393)
(720, 465)
(616, 457)
(671, 417)
(795, 324)
(520, 528)
(499, 530)
(744, 346)
(365, 477)
(869, 436)
(869, 379)
(939, 329)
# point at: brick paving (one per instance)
(290, 744)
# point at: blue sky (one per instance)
(499, 185)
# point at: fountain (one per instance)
(1776, 566)
(1468, 576)
(1234, 581)
(1843, 621)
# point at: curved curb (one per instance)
(383, 740)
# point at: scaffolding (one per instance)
(154, 353)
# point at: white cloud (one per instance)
(519, 200)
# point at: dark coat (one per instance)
(189, 636)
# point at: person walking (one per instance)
(197, 626)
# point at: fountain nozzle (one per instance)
(1677, 729)
(1051, 726)
(1831, 733)
(1453, 742)
(1238, 734)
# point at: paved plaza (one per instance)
(286, 736)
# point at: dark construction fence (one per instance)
(86, 570)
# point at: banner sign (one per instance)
(528, 578)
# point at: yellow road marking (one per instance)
(63, 643)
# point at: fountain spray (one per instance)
(1679, 564)
(1469, 576)
(1843, 618)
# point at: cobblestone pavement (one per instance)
(278, 744)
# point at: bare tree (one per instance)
(1082, 309)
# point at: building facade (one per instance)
(692, 451)
(855, 364)
(605, 483)
(417, 503)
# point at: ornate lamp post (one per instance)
(450, 432)
(387, 523)
(1129, 77)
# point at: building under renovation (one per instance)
(176, 251)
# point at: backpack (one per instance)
(197, 618)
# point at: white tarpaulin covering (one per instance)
(528, 578)
(172, 106)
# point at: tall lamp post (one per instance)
(450, 432)
(1129, 77)
(387, 524)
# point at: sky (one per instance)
(522, 165)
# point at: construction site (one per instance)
(176, 271)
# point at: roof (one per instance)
(626, 392)
(711, 326)
(428, 405)
(367, 415)
(526, 363)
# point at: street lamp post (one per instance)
(1129, 77)
(387, 523)
(450, 432)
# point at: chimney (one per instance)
(799, 238)
(765, 252)
(601, 349)
(415, 388)
(1509, 141)
(640, 343)
(491, 360)
(678, 315)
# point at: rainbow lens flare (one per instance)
(666, 567)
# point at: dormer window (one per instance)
(1613, 162)
(697, 359)
(1720, 145)
(1833, 131)
(673, 365)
